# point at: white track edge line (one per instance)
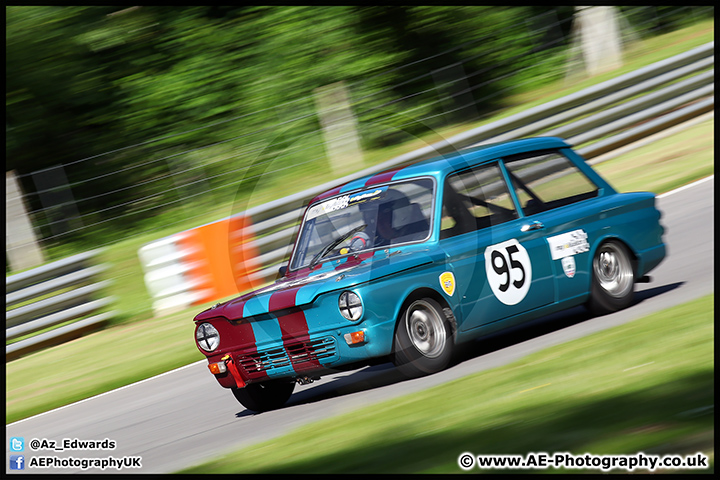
(685, 187)
(107, 393)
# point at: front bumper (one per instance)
(315, 355)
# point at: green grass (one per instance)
(138, 346)
(665, 164)
(646, 386)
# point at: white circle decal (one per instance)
(509, 272)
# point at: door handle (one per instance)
(532, 226)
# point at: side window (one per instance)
(475, 199)
(548, 180)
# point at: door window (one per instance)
(548, 180)
(475, 199)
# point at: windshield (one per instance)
(375, 217)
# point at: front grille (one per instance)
(299, 354)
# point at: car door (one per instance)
(559, 202)
(501, 268)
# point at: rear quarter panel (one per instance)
(632, 219)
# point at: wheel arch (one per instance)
(426, 292)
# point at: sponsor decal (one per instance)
(447, 282)
(566, 244)
(331, 205)
(345, 201)
(568, 264)
(509, 271)
(367, 196)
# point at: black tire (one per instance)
(423, 339)
(261, 397)
(613, 279)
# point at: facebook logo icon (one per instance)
(17, 462)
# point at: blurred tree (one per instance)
(58, 106)
(137, 101)
(54, 90)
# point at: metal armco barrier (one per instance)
(595, 120)
(50, 295)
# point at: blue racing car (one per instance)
(406, 264)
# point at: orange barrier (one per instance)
(221, 255)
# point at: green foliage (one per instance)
(655, 20)
(162, 110)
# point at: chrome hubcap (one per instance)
(426, 329)
(613, 270)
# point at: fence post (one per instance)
(57, 199)
(21, 245)
(339, 128)
(600, 38)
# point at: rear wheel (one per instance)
(264, 396)
(423, 340)
(613, 279)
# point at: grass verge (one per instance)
(646, 386)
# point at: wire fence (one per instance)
(180, 184)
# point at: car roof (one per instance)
(441, 165)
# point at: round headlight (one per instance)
(207, 337)
(350, 306)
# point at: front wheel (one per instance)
(613, 279)
(264, 396)
(423, 340)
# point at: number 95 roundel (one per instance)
(509, 272)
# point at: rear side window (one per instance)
(475, 199)
(548, 180)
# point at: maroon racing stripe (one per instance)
(293, 326)
(327, 194)
(283, 299)
(382, 177)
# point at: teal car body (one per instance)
(503, 234)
